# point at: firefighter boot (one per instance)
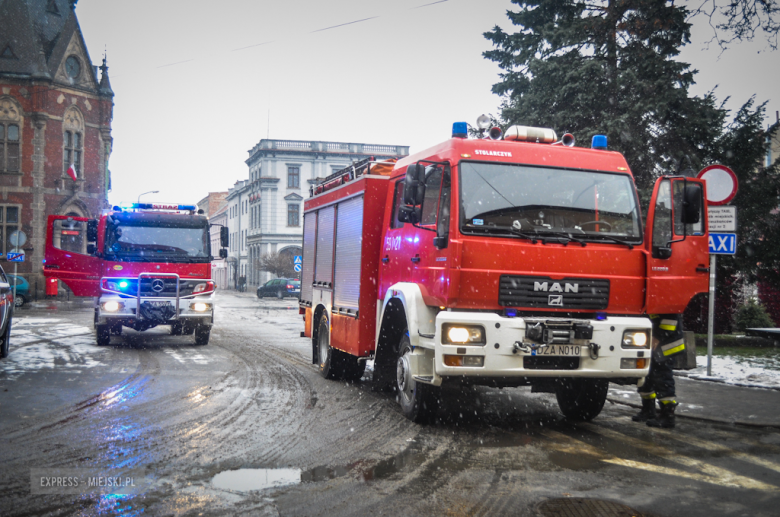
(665, 418)
(647, 413)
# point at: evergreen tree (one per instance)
(607, 67)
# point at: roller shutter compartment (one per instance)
(307, 272)
(323, 272)
(349, 232)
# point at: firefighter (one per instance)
(659, 384)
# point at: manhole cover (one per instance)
(576, 507)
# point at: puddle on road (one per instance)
(246, 480)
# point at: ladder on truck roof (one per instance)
(348, 173)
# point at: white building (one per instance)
(219, 267)
(238, 225)
(280, 174)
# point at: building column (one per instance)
(37, 239)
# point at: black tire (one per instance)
(177, 329)
(279, 295)
(581, 399)
(419, 401)
(325, 353)
(202, 334)
(116, 329)
(5, 346)
(258, 293)
(19, 300)
(103, 335)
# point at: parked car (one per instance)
(280, 287)
(6, 313)
(22, 289)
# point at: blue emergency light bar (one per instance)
(155, 206)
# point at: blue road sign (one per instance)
(15, 257)
(297, 268)
(723, 243)
(297, 259)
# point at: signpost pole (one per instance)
(15, 277)
(711, 313)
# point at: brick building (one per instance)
(55, 110)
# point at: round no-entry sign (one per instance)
(721, 182)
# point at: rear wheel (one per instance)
(202, 334)
(19, 300)
(581, 399)
(279, 294)
(324, 350)
(419, 402)
(5, 346)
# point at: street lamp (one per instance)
(150, 192)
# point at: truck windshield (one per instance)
(536, 200)
(161, 243)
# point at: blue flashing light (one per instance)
(510, 313)
(460, 130)
(123, 284)
(601, 316)
(156, 206)
(599, 142)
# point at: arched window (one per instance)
(10, 135)
(73, 141)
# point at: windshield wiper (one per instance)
(613, 239)
(561, 238)
(514, 231)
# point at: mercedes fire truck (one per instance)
(511, 260)
(145, 264)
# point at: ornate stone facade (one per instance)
(55, 109)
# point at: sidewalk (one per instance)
(724, 403)
(53, 304)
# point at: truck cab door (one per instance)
(67, 258)
(397, 245)
(676, 245)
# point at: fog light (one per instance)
(633, 364)
(199, 307)
(474, 361)
(111, 306)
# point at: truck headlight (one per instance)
(112, 306)
(635, 339)
(463, 334)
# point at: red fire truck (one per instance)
(504, 261)
(146, 264)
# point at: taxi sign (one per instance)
(15, 257)
(723, 243)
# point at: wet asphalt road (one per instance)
(182, 420)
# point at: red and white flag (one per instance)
(72, 172)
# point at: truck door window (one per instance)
(397, 200)
(432, 190)
(693, 228)
(69, 236)
(443, 223)
(662, 223)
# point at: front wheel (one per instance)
(202, 334)
(419, 402)
(103, 335)
(5, 346)
(581, 399)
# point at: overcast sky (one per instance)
(195, 80)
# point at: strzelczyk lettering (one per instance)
(492, 153)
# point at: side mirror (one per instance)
(92, 230)
(414, 185)
(691, 207)
(410, 214)
(223, 253)
(224, 237)
(91, 249)
(662, 253)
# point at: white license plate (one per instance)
(573, 350)
(160, 304)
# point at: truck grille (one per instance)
(544, 292)
(550, 363)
